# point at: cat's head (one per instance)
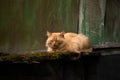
(55, 40)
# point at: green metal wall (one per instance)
(100, 20)
(23, 23)
(92, 22)
(112, 21)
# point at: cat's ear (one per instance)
(62, 34)
(49, 33)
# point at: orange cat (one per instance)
(67, 42)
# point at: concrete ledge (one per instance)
(35, 57)
(44, 56)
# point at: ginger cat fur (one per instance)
(67, 42)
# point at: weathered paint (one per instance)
(91, 16)
(112, 21)
(82, 15)
(102, 24)
(100, 20)
(23, 23)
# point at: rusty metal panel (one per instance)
(23, 23)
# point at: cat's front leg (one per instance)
(50, 50)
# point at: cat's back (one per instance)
(70, 35)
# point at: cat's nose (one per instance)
(54, 45)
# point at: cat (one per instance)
(67, 42)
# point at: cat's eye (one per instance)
(51, 40)
(49, 43)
